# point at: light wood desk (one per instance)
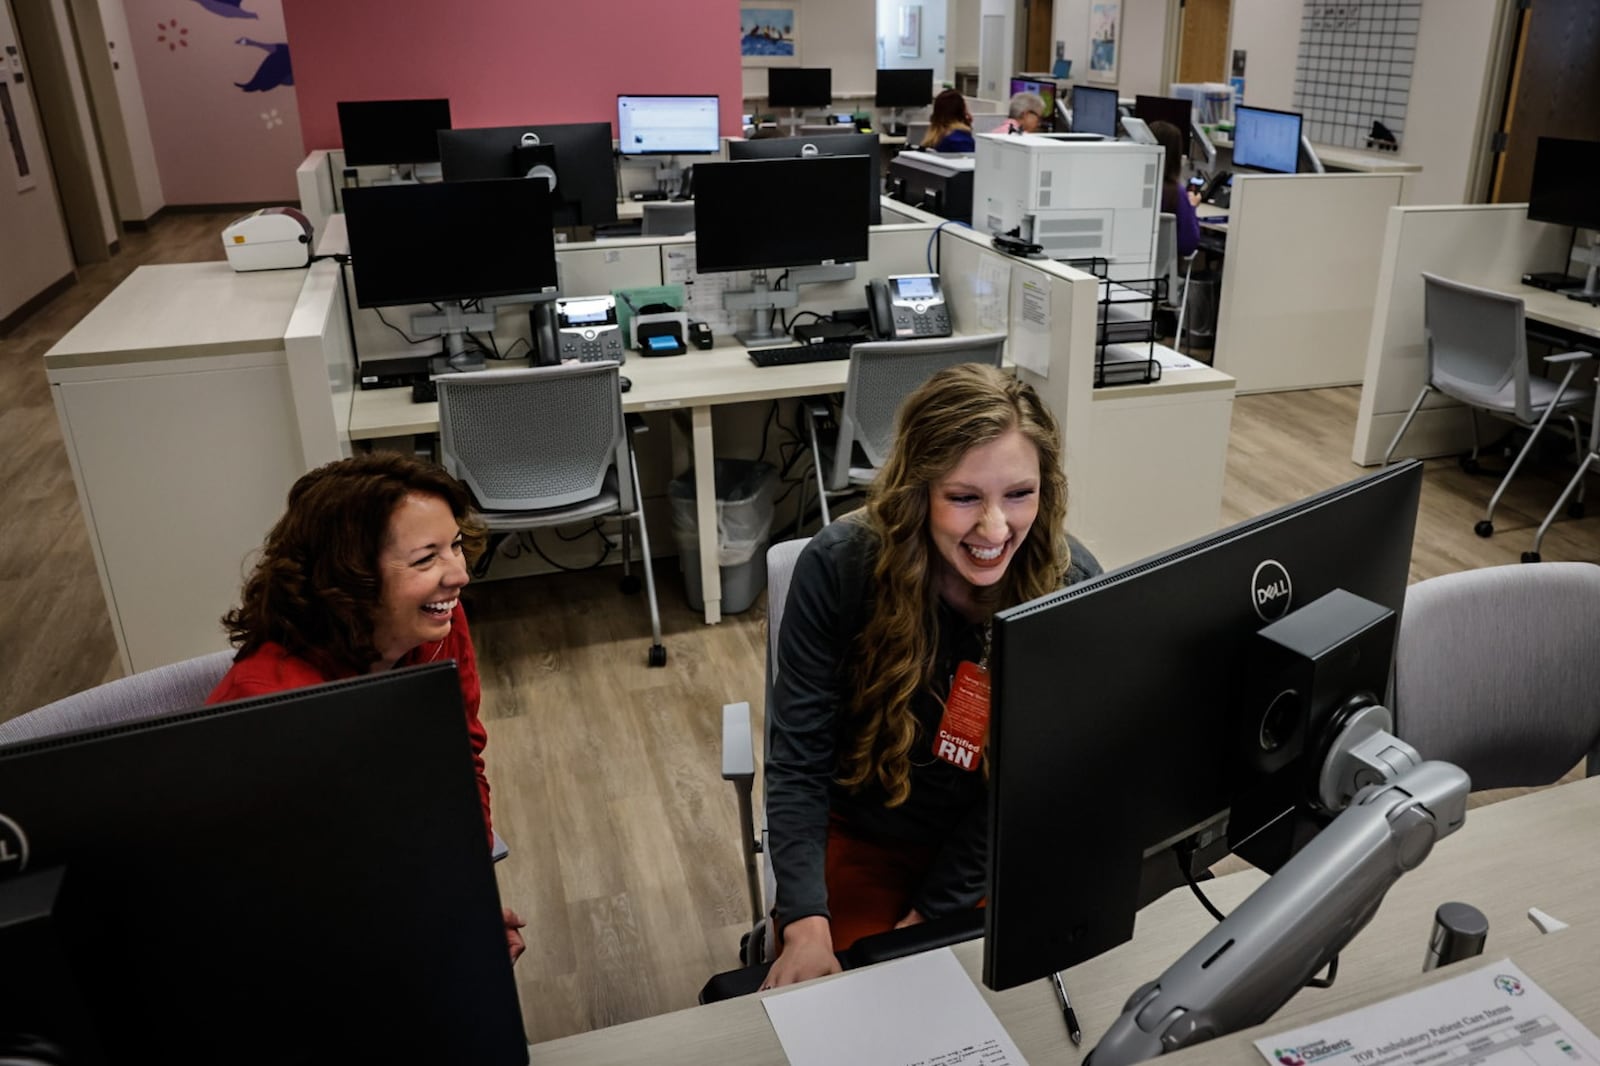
(1354, 159)
(1541, 850)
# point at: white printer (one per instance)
(273, 238)
(1077, 199)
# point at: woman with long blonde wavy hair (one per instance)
(876, 790)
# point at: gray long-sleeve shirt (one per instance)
(830, 600)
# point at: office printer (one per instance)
(273, 238)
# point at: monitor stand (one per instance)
(1590, 293)
(453, 322)
(762, 301)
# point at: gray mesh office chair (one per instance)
(546, 446)
(882, 374)
(1496, 671)
(1477, 348)
(665, 218)
(1168, 262)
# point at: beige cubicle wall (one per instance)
(1482, 244)
(1303, 252)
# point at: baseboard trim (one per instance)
(44, 296)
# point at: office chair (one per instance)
(882, 374)
(547, 446)
(666, 218)
(1167, 263)
(1496, 671)
(1477, 349)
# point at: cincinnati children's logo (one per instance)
(1308, 1053)
(1508, 984)
(1288, 1056)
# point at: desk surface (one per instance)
(1337, 158)
(1534, 851)
(179, 310)
(1551, 308)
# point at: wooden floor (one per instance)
(606, 774)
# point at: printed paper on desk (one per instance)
(1029, 340)
(1494, 1015)
(918, 1011)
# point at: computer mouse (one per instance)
(624, 383)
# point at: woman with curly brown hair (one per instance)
(876, 792)
(363, 573)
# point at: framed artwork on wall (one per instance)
(1105, 38)
(910, 30)
(768, 36)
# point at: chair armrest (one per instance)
(1568, 357)
(898, 943)
(738, 747)
(817, 407)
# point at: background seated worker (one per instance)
(876, 794)
(949, 124)
(1175, 199)
(1027, 111)
(363, 573)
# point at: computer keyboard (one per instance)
(819, 352)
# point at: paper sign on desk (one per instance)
(918, 1011)
(1494, 1015)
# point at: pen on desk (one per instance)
(1073, 1030)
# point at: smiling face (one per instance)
(980, 512)
(423, 572)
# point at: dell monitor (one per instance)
(1094, 110)
(391, 132)
(1266, 140)
(448, 242)
(1045, 90)
(668, 125)
(834, 144)
(904, 88)
(576, 156)
(1563, 193)
(800, 87)
(1144, 757)
(301, 877)
(1166, 109)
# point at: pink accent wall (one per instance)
(501, 62)
(216, 143)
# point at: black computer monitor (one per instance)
(829, 144)
(1266, 139)
(800, 86)
(668, 125)
(758, 214)
(391, 132)
(1166, 109)
(1563, 188)
(453, 240)
(1129, 712)
(1045, 90)
(579, 153)
(904, 87)
(302, 877)
(1094, 110)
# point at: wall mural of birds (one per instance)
(227, 9)
(273, 71)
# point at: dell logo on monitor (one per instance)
(1270, 590)
(13, 848)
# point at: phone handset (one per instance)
(879, 311)
(546, 347)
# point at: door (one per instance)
(1203, 40)
(1555, 81)
(1037, 52)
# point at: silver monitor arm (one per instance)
(1393, 806)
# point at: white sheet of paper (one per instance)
(919, 1011)
(702, 293)
(993, 290)
(1494, 1015)
(1029, 343)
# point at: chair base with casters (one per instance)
(548, 446)
(881, 375)
(1477, 354)
(1577, 485)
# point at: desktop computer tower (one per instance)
(1076, 199)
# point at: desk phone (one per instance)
(907, 306)
(583, 328)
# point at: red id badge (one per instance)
(966, 718)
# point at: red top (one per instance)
(270, 668)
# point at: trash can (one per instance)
(745, 491)
(1200, 327)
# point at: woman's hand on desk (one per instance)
(513, 938)
(1194, 198)
(913, 917)
(807, 953)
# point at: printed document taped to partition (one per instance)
(1029, 345)
(919, 1011)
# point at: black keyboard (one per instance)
(820, 352)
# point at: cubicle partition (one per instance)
(1482, 244)
(1303, 252)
